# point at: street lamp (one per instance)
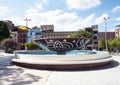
(106, 18)
(27, 20)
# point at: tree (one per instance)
(4, 31)
(102, 44)
(9, 44)
(81, 34)
(32, 46)
(115, 43)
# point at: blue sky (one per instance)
(65, 15)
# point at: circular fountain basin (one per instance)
(71, 60)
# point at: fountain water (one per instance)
(62, 53)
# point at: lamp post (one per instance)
(106, 18)
(27, 20)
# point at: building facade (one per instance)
(47, 28)
(57, 34)
(117, 32)
(47, 31)
(109, 35)
(22, 36)
(94, 32)
(34, 33)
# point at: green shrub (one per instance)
(32, 46)
(9, 43)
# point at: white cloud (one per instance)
(35, 8)
(3, 10)
(60, 19)
(118, 19)
(116, 9)
(101, 18)
(82, 4)
(89, 19)
(32, 10)
(112, 30)
(16, 20)
(45, 1)
(39, 6)
(63, 21)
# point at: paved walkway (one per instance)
(107, 75)
(15, 75)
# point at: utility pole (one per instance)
(106, 32)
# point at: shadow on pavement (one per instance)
(16, 76)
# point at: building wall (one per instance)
(27, 35)
(110, 35)
(95, 36)
(34, 33)
(48, 32)
(22, 38)
(14, 35)
(94, 32)
(117, 32)
(57, 34)
(47, 28)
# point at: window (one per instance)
(95, 32)
(95, 37)
(95, 42)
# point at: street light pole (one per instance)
(27, 20)
(106, 32)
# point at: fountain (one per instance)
(62, 53)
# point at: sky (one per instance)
(65, 15)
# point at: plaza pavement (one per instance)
(15, 75)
